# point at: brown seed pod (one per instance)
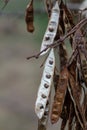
(29, 17)
(66, 110)
(71, 116)
(59, 96)
(75, 93)
(48, 7)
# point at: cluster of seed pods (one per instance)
(67, 86)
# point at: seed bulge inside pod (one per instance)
(51, 29)
(47, 38)
(41, 107)
(48, 76)
(46, 85)
(50, 62)
(43, 96)
(46, 113)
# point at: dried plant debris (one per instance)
(29, 17)
(70, 79)
(45, 86)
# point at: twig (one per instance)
(59, 41)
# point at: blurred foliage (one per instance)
(19, 5)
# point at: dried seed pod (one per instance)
(80, 43)
(83, 68)
(59, 96)
(77, 112)
(55, 80)
(75, 93)
(45, 86)
(66, 110)
(71, 116)
(42, 123)
(29, 17)
(68, 16)
(51, 29)
(48, 7)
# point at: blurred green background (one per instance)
(19, 78)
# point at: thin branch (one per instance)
(59, 41)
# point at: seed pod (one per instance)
(59, 96)
(65, 110)
(48, 7)
(84, 68)
(29, 17)
(42, 123)
(51, 29)
(45, 86)
(75, 93)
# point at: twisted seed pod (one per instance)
(60, 95)
(51, 29)
(29, 17)
(75, 93)
(45, 86)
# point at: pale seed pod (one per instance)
(51, 29)
(45, 85)
(42, 123)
